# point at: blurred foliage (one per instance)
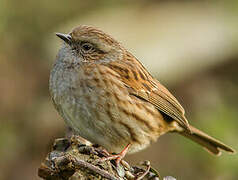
(29, 123)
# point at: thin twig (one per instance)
(80, 163)
(145, 173)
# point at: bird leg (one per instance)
(116, 157)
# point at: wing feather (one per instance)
(142, 85)
(163, 102)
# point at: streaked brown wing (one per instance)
(163, 101)
(142, 85)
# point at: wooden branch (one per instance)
(72, 160)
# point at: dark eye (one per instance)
(87, 47)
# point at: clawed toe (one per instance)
(116, 157)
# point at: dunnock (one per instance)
(108, 97)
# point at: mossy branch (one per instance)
(73, 160)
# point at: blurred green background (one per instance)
(190, 46)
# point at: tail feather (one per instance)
(209, 143)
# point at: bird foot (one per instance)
(116, 157)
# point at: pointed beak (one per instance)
(65, 37)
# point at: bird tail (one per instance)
(209, 143)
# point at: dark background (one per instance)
(190, 46)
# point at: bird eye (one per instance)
(87, 47)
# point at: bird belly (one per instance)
(113, 124)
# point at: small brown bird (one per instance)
(107, 96)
